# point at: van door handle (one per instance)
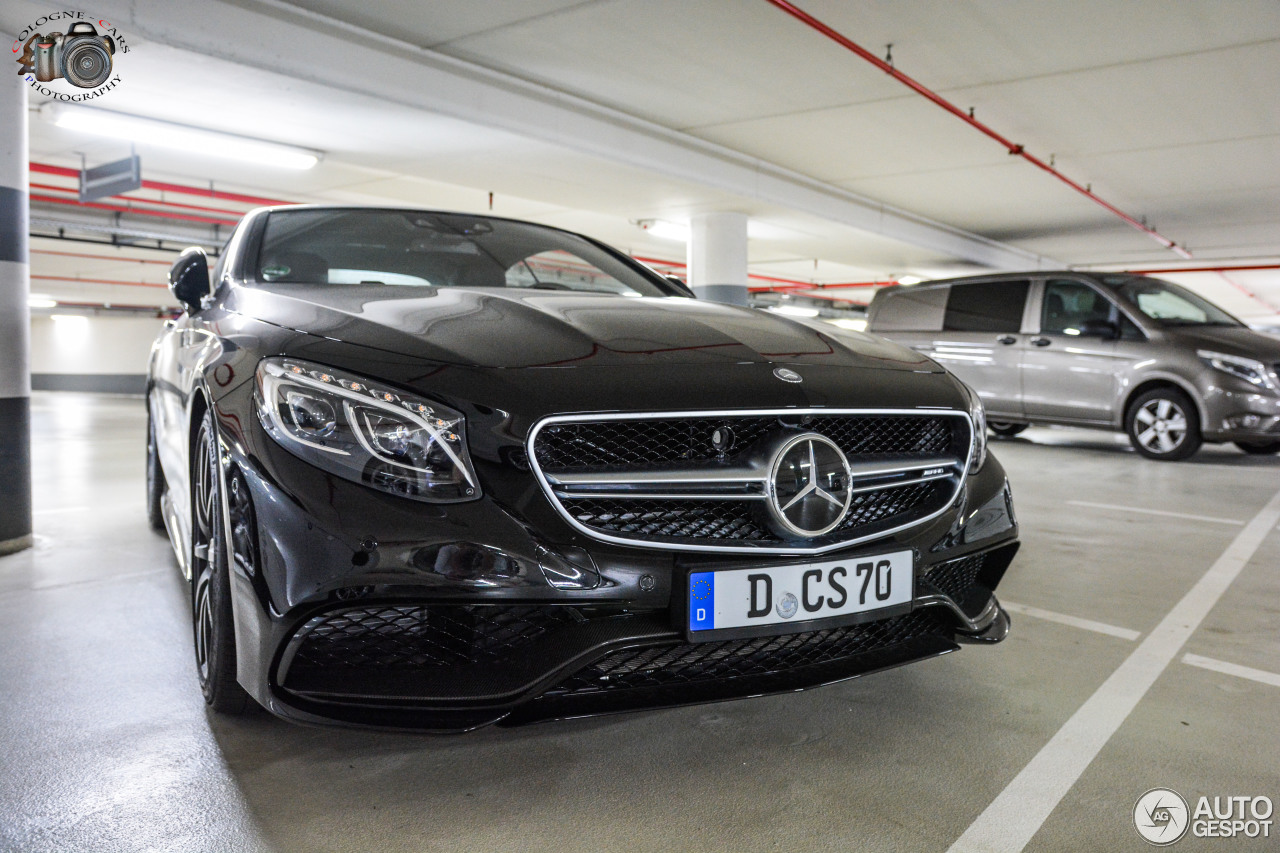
(1040, 342)
(1006, 340)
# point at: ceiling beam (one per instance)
(275, 36)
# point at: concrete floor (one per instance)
(105, 743)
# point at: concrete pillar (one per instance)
(718, 257)
(15, 319)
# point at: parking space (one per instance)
(99, 670)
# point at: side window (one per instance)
(1069, 306)
(986, 306)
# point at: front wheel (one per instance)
(1265, 448)
(1163, 424)
(1006, 429)
(213, 630)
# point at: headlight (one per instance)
(364, 431)
(978, 413)
(1251, 371)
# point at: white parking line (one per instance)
(1073, 621)
(1212, 519)
(1233, 669)
(1017, 814)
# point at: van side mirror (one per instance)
(189, 279)
(1104, 329)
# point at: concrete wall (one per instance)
(83, 353)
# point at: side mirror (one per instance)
(1104, 329)
(189, 279)
(679, 285)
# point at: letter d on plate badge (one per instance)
(702, 601)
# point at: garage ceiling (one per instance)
(1164, 109)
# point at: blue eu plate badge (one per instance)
(702, 601)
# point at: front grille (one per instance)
(654, 443)
(701, 481)
(725, 661)
(674, 520)
(414, 637)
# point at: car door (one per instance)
(1071, 369)
(982, 340)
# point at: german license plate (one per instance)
(744, 598)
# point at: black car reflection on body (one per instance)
(436, 470)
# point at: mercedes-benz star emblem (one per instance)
(809, 489)
(787, 375)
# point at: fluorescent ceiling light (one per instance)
(849, 323)
(794, 310)
(69, 318)
(678, 231)
(40, 300)
(194, 140)
(909, 279)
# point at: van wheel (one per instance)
(1263, 449)
(1163, 424)
(1008, 429)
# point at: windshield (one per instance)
(1171, 305)
(400, 248)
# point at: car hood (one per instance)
(1230, 340)
(478, 327)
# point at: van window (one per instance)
(986, 306)
(1069, 305)
(908, 309)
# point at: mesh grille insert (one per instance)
(691, 663)
(422, 635)
(657, 442)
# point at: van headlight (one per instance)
(366, 432)
(1250, 370)
(978, 414)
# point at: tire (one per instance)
(1163, 424)
(1006, 429)
(1261, 449)
(156, 485)
(213, 631)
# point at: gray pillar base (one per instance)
(733, 294)
(13, 546)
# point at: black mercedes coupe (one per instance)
(437, 470)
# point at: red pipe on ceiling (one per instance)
(110, 281)
(1010, 146)
(1236, 268)
(162, 186)
(119, 208)
(99, 257)
(131, 200)
(790, 283)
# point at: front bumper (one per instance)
(361, 608)
(1244, 416)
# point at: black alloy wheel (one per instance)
(1163, 424)
(212, 627)
(156, 484)
(1265, 448)
(1006, 429)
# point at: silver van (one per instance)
(1113, 351)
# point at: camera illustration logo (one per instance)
(82, 56)
(1161, 816)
